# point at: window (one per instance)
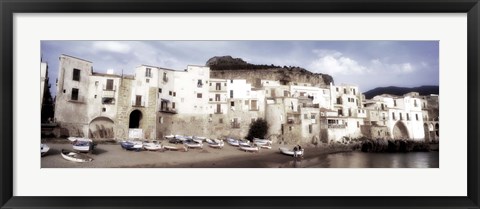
(218, 86)
(401, 118)
(344, 91)
(165, 78)
(109, 84)
(408, 116)
(96, 83)
(349, 112)
(354, 92)
(231, 93)
(74, 94)
(104, 109)
(358, 124)
(310, 128)
(337, 89)
(232, 104)
(285, 93)
(210, 84)
(393, 115)
(415, 103)
(253, 105)
(246, 102)
(148, 73)
(173, 105)
(217, 97)
(199, 95)
(95, 96)
(174, 94)
(231, 81)
(340, 112)
(159, 90)
(416, 116)
(138, 100)
(312, 116)
(76, 74)
(220, 120)
(170, 93)
(148, 80)
(395, 103)
(225, 84)
(199, 83)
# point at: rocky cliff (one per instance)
(227, 67)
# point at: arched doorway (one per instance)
(400, 131)
(426, 132)
(135, 118)
(101, 128)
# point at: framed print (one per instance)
(309, 104)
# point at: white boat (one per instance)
(249, 148)
(44, 149)
(175, 148)
(169, 137)
(264, 146)
(193, 144)
(74, 138)
(83, 145)
(199, 139)
(291, 152)
(132, 145)
(152, 146)
(233, 142)
(243, 143)
(262, 141)
(75, 156)
(215, 143)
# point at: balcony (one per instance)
(337, 126)
(79, 99)
(218, 112)
(168, 110)
(138, 104)
(109, 92)
(305, 105)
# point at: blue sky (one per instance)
(368, 64)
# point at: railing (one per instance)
(80, 99)
(168, 110)
(336, 126)
(138, 104)
(218, 112)
(311, 105)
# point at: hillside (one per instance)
(227, 67)
(394, 90)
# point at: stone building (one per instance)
(156, 101)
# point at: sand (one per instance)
(113, 156)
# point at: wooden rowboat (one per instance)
(75, 156)
(175, 148)
(294, 153)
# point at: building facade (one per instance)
(156, 101)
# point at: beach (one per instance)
(113, 156)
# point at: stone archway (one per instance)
(135, 119)
(400, 131)
(101, 128)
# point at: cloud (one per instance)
(403, 68)
(334, 62)
(111, 46)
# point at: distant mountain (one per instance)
(394, 90)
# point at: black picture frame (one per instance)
(10, 7)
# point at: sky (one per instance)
(368, 64)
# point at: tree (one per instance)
(258, 129)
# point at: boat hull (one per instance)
(75, 156)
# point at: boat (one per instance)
(249, 148)
(175, 148)
(169, 137)
(44, 149)
(291, 152)
(84, 145)
(264, 146)
(262, 141)
(75, 156)
(233, 142)
(152, 146)
(74, 138)
(243, 143)
(199, 139)
(190, 143)
(215, 143)
(132, 145)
